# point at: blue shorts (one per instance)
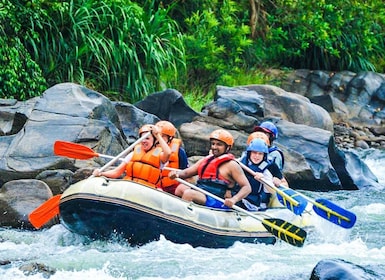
(213, 203)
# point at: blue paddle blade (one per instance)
(289, 204)
(334, 213)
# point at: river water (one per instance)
(75, 258)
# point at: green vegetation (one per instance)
(128, 49)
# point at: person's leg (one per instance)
(180, 190)
(192, 195)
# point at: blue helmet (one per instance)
(258, 145)
(268, 127)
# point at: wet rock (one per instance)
(20, 197)
(362, 144)
(35, 268)
(5, 262)
(342, 270)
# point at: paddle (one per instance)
(289, 198)
(280, 228)
(74, 150)
(332, 212)
(323, 207)
(45, 212)
(49, 209)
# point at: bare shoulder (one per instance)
(234, 165)
(231, 168)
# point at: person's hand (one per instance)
(173, 174)
(276, 181)
(258, 176)
(156, 130)
(229, 202)
(97, 173)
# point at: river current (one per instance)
(75, 258)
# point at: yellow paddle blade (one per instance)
(285, 231)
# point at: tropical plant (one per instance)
(215, 43)
(116, 46)
(20, 77)
(328, 35)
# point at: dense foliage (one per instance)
(127, 49)
(20, 75)
(116, 47)
(330, 35)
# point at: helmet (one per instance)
(258, 145)
(259, 135)
(167, 128)
(268, 127)
(222, 135)
(145, 128)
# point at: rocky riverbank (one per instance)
(355, 102)
(348, 136)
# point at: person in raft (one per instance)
(217, 173)
(144, 163)
(178, 158)
(256, 159)
(278, 177)
(275, 154)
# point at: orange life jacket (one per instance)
(209, 168)
(144, 167)
(173, 162)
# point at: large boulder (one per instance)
(343, 270)
(20, 197)
(168, 105)
(66, 112)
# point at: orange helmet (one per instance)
(167, 128)
(260, 135)
(222, 135)
(145, 128)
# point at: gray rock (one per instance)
(20, 197)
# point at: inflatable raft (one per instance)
(101, 208)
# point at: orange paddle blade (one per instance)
(73, 150)
(45, 212)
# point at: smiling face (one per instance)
(217, 147)
(148, 142)
(256, 157)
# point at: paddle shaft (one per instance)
(107, 156)
(239, 209)
(263, 181)
(124, 153)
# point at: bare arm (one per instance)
(113, 173)
(237, 174)
(187, 172)
(166, 151)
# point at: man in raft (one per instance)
(217, 173)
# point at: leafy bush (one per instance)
(20, 77)
(215, 43)
(328, 35)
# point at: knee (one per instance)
(188, 195)
(179, 190)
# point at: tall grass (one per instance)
(119, 48)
